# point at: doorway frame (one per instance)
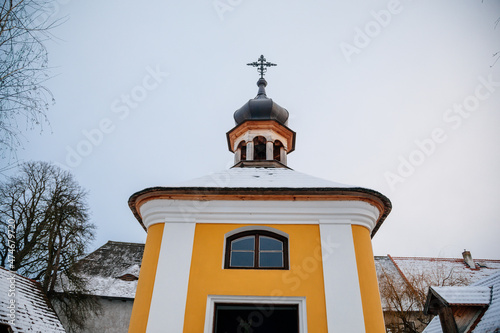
(276, 300)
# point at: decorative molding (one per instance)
(260, 127)
(202, 195)
(259, 212)
(252, 227)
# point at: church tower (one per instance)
(261, 137)
(259, 247)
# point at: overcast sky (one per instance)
(397, 96)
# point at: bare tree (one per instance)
(496, 55)
(405, 296)
(24, 99)
(47, 213)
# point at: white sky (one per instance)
(356, 116)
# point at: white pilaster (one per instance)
(168, 303)
(283, 155)
(237, 156)
(269, 150)
(343, 298)
(250, 151)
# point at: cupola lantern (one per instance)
(261, 137)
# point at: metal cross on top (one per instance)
(261, 65)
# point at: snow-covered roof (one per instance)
(103, 268)
(490, 321)
(132, 270)
(260, 178)
(246, 182)
(387, 272)
(468, 295)
(434, 326)
(422, 272)
(32, 312)
(438, 269)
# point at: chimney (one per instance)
(468, 259)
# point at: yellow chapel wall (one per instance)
(304, 278)
(144, 292)
(368, 284)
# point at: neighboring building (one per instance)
(404, 282)
(259, 247)
(24, 308)
(470, 309)
(111, 272)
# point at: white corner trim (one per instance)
(282, 300)
(341, 280)
(168, 302)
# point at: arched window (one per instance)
(277, 150)
(256, 249)
(259, 143)
(243, 150)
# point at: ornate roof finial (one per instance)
(261, 65)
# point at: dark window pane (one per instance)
(268, 243)
(256, 250)
(244, 243)
(262, 318)
(242, 259)
(271, 259)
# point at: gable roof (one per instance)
(434, 267)
(490, 321)
(387, 271)
(33, 312)
(103, 268)
(405, 270)
(468, 295)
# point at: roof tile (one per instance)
(33, 312)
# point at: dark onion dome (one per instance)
(261, 108)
